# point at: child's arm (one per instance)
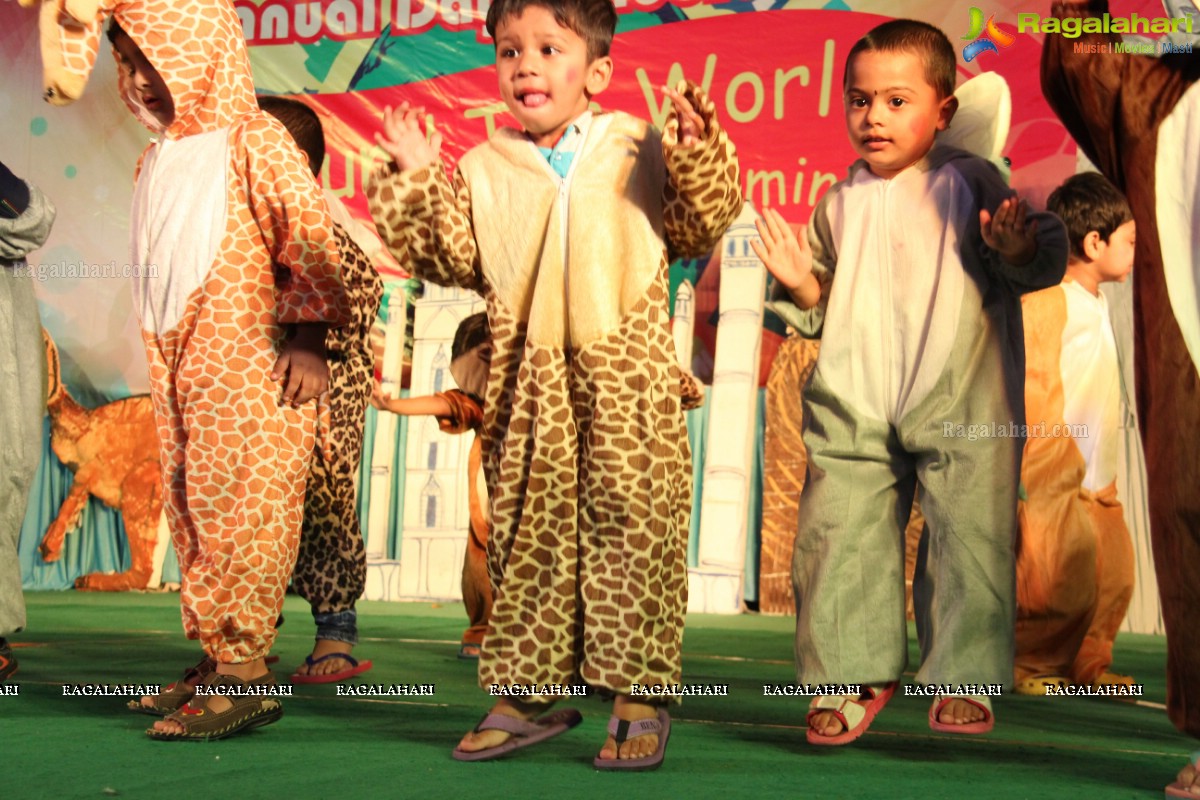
(800, 299)
(423, 220)
(787, 257)
(434, 405)
(32, 216)
(1097, 95)
(289, 209)
(1027, 250)
(703, 194)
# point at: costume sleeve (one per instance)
(289, 209)
(703, 195)
(1094, 93)
(809, 322)
(1050, 262)
(466, 414)
(28, 231)
(426, 224)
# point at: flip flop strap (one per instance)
(503, 722)
(312, 662)
(848, 708)
(623, 729)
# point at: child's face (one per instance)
(1116, 255)
(892, 112)
(545, 77)
(150, 87)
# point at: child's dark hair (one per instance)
(1089, 202)
(595, 21)
(114, 30)
(912, 36)
(472, 332)
(302, 123)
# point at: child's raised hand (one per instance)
(786, 256)
(1008, 233)
(691, 124)
(403, 139)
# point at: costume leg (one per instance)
(236, 463)
(848, 564)
(1056, 561)
(533, 552)
(635, 482)
(1114, 585)
(23, 363)
(963, 588)
(476, 589)
(332, 564)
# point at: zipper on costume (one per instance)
(888, 321)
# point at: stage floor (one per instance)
(741, 745)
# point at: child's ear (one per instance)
(1093, 245)
(946, 112)
(599, 73)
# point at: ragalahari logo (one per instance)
(986, 36)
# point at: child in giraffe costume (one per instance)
(1075, 556)
(331, 568)
(912, 280)
(239, 285)
(566, 228)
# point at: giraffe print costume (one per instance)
(584, 442)
(331, 570)
(236, 243)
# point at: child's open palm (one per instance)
(786, 256)
(403, 140)
(1008, 233)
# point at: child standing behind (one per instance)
(912, 282)
(1075, 558)
(566, 229)
(458, 411)
(331, 568)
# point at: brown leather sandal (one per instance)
(248, 710)
(178, 693)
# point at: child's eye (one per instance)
(549, 50)
(508, 52)
(897, 102)
(858, 102)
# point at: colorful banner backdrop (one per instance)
(773, 68)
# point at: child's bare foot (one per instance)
(960, 712)
(636, 746)
(1187, 783)
(485, 740)
(218, 703)
(322, 648)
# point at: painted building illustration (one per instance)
(683, 323)
(715, 584)
(436, 493)
(383, 574)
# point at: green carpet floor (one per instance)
(743, 745)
